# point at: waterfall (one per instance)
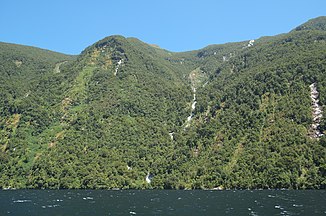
(171, 135)
(148, 178)
(193, 107)
(117, 67)
(317, 112)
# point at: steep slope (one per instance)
(255, 114)
(29, 86)
(120, 101)
(22, 67)
(125, 114)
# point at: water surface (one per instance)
(162, 202)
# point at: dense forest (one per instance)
(126, 114)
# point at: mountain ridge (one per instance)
(235, 115)
(318, 23)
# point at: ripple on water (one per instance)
(284, 213)
(50, 206)
(22, 201)
(156, 199)
(296, 205)
(278, 207)
(253, 213)
(228, 210)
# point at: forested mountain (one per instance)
(126, 114)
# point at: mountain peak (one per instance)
(106, 50)
(318, 23)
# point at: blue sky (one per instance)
(69, 26)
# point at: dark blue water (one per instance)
(162, 202)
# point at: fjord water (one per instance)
(162, 202)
